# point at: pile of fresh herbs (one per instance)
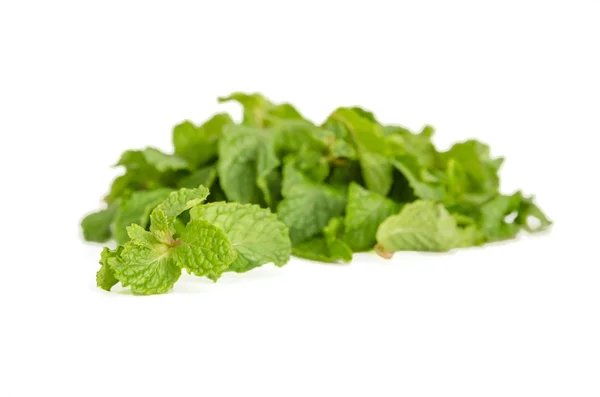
(281, 184)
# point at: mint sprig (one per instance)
(281, 183)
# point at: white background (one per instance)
(82, 81)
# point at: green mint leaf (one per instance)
(162, 226)
(255, 233)
(259, 111)
(96, 226)
(365, 211)
(140, 236)
(146, 270)
(247, 165)
(370, 144)
(529, 210)
(105, 277)
(420, 226)
(495, 217)
(424, 185)
(147, 169)
(136, 209)
(203, 249)
(205, 176)
(307, 206)
(182, 200)
(327, 247)
(472, 173)
(198, 144)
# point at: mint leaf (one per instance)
(146, 169)
(140, 236)
(198, 144)
(328, 247)
(247, 162)
(182, 200)
(256, 235)
(203, 249)
(420, 226)
(136, 209)
(259, 111)
(205, 176)
(96, 226)
(365, 211)
(307, 206)
(146, 270)
(370, 144)
(424, 185)
(105, 277)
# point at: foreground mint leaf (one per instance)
(198, 145)
(255, 233)
(182, 200)
(420, 226)
(105, 277)
(96, 226)
(307, 206)
(146, 270)
(136, 209)
(365, 211)
(203, 249)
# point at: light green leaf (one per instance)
(198, 144)
(203, 249)
(420, 226)
(136, 209)
(162, 227)
(255, 233)
(364, 213)
(140, 236)
(182, 200)
(105, 277)
(146, 270)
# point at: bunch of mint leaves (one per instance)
(234, 196)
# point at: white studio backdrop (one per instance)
(82, 81)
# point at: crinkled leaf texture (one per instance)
(423, 225)
(182, 200)
(204, 249)
(255, 233)
(146, 270)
